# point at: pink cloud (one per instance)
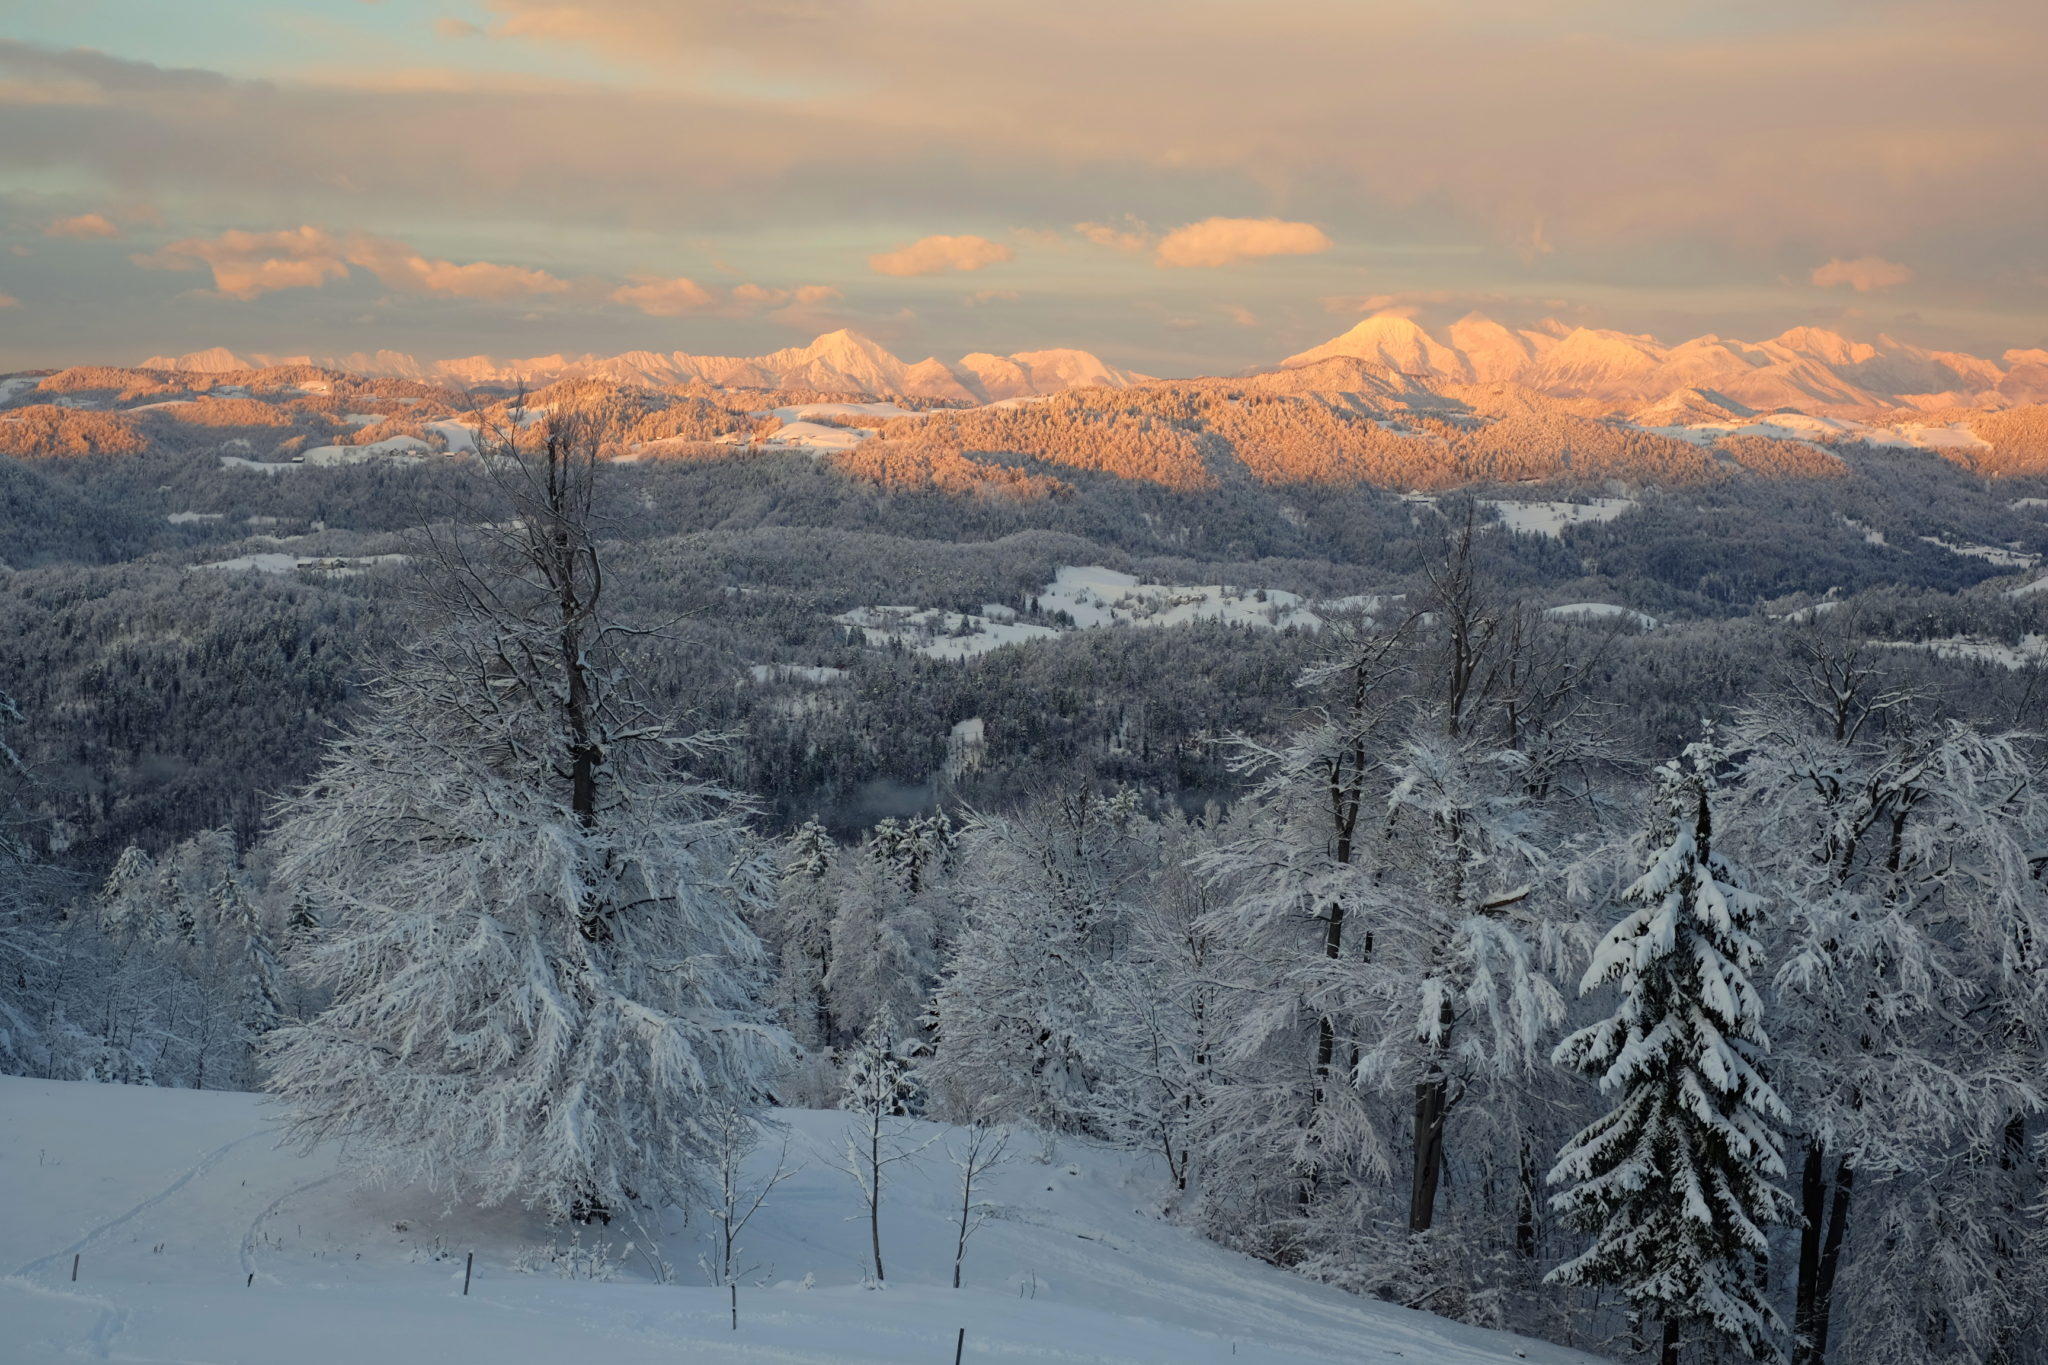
(9, 301)
(681, 296)
(1865, 274)
(1131, 234)
(1225, 241)
(934, 255)
(398, 266)
(246, 265)
(666, 298)
(82, 226)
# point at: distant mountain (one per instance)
(1807, 368)
(837, 362)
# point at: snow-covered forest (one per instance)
(1660, 974)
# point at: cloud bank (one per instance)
(936, 255)
(1865, 274)
(1226, 241)
(84, 225)
(1678, 167)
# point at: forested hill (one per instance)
(177, 696)
(1341, 420)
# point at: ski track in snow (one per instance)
(109, 1321)
(85, 1243)
(270, 1211)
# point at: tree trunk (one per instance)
(1432, 1107)
(1812, 1220)
(875, 1195)
(1525, 1206)
(1432, 1099)
(966, 1208)
(1831, 1260)
(1326, 1027)
(1669, 1354)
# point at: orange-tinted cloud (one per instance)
(1660, 187)
(666, 298)
(1603, 122)
(398, 266)
(1226, 241)
(935, 255)
(82, 226)
(1865, 274)
(9, 301)
(246, 265)
(683, 297)
(1127, 235)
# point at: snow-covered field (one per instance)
(880, 412)
(1824, 431)
(2032, 649)
(392, 448)
(767, 673)
(1093, 597)
(274, 562)
(943, 634)
(259, 466)
(1550, 518)
(199, 1241)
(2005, 557)
(1603, 611)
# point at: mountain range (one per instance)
(1807, 369)
(837, 362)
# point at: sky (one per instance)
(1181, 186)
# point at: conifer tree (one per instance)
(1677, 1181)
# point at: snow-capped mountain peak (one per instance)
(1811, 369)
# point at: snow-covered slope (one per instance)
(837, 362)
(199, 1241)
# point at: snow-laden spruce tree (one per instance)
(1677, 1182)
(544, 986)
